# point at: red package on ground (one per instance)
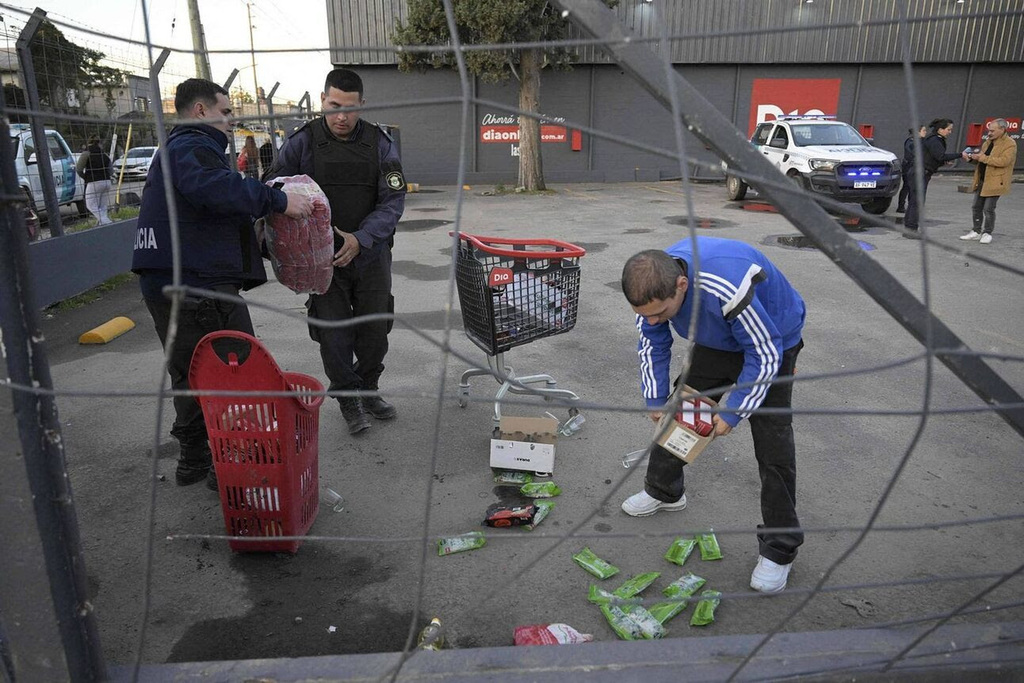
(301, 251)
(504, 516)
(550, 634)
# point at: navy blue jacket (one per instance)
(746, 305)
(934, 153)
(216, 207)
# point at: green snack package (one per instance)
(680, 550)
(650, 628)
(636, 585)
(462, 543)
(543, 509)
(599, 596)
(684, 587)
(624, 627)
(663, 611)
(517, 478)
(594, 564)
(704, 612)
(547, 489)
(709, 549)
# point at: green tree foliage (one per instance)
(68, 74)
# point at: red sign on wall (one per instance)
(510, 134)
(771, 98)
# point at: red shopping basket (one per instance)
(264, 447)
(513, 291)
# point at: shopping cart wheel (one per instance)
(463, 396)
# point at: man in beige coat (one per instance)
(993, 175)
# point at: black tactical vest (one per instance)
(347, 172)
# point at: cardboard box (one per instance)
(691, 430)
(525, 443)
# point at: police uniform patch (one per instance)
(395, 180)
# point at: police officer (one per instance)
(357, 166)
(219, 252)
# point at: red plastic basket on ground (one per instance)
(264, 447)
(513, 291)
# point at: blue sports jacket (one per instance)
(746, 305)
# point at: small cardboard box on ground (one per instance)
(691, 430)
(525, 443)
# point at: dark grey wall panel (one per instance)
(63, 267)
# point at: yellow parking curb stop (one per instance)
(107, 331)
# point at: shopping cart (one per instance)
(264, 447)
(512, 292)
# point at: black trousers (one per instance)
(198, 317)
(913, 215)
(901, 201)
(774, 449)
(984, 213)
(354, 356)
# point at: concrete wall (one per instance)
(606, 99)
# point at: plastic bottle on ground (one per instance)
(432, 636)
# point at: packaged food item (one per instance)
(550, 634)
(499, 515)
(510, 477)
(547, 489)
(709, 549)
(543, 510)
(684, 587)
(302, 249)
(636, 585)
(632, 622)
(663, 611)
(594, 564)
(461, 543)
(704, 612)
(599, 596)
(680, 550)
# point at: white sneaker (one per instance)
(972, 235)
(769, 577)
(986, 238)
(642, 505)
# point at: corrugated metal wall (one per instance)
(756, 31)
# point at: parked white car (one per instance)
(69, 188)
(136, 163)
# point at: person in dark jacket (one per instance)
(95, 168)
(357, 166)
(933, 155)
(215, 209)
(908, 165)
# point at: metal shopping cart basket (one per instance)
(512, 292)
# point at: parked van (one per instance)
(69, 188)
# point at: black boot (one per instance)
(355, 416)
(379, 408)
(191, 472)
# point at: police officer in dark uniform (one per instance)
(219, 251)
(357, 166)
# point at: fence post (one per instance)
(45, 170)
(273, 123)
(56, 543)
(309, 105)
(231, 79)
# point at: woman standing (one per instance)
(95, 168)
(933, 155)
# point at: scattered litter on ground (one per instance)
(510, 477)
(709, 548)
(632, 622)
(432, 636)
(334, 500)
(636, 585)
(461, 543)
(543, 510)
(499, 515)
(680, 550)
(594, 564)
(547, 489)
(704, 613)
(549, 634)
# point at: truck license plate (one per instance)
(863, 184)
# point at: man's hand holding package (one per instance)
(299, 205)
(348, 251)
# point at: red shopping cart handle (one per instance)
(481, 242)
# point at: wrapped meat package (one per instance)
(301, 250)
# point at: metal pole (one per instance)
(252, 54)
(231, 79)
(273, 123)
(309, 104)
(198, 41)
(707, 123)
(24, 47)
(40, 438)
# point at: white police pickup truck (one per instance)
(68, 186)
(828, 157)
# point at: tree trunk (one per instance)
(531, 170)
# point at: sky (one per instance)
(279, 24)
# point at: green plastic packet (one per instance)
(461, 543)
(510, 477)
(650, 627)
(709, 548)
(624, 627)
(663, 611)
(636, 585)
(547, 489)
(543, 509)
(704, 612)
(599, 596)
(594, 564)
(680, 550)
(684, 587)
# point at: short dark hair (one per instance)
(938, 124)
(94, 139)
(650, 275)
(194, 90)
(344, 80)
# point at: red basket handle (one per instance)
(571, 250)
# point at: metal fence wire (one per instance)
(81, 82)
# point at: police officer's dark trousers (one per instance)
(197, 318)
(774, 449)
(354, 355)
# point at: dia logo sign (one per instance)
(771, 98)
